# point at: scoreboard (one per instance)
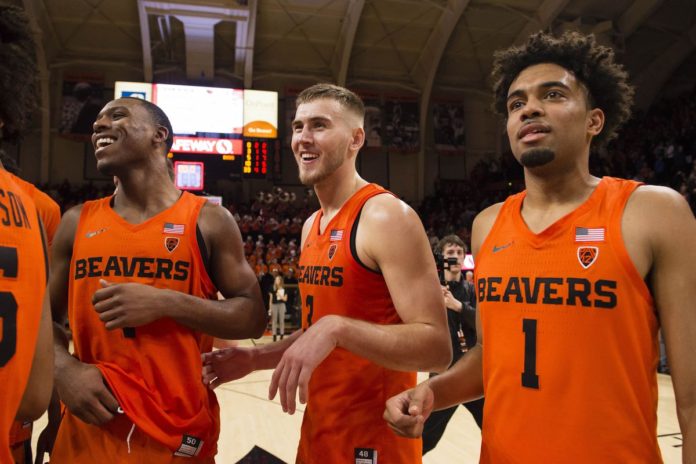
(255, 158)
(251, 159)
(219, 133)
(189, 175)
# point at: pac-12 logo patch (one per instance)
(170, 243)
(587, 256)
(332, 251)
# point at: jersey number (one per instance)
(8, 307)
(530, 379)
(309, 302)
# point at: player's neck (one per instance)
(568, 187)
(453, 276)
(549, 198)
(335, 191)
(140, 198)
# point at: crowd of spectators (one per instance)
(657, 147)
(271, 228)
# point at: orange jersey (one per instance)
(49, 212)
(343, 419)
(48, 209)
(154, 370)
(123, 445)
(569, 338)
(22, 286)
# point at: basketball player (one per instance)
(574, 277)
(49, 213)
(373, 311)
(138, 274)
(26, 357)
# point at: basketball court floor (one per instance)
(249, 419)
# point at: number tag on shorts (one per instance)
(365, 456)
(190, 446)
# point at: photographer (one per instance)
(460, 299)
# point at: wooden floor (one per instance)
(249, 418)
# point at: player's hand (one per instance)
(450, 301)
(299, 361)
(127, 305)
(406, 412)
(82, 389)
(225, 365)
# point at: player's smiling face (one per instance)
(321, 139)
(123, 131)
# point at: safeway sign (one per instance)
(208, 146)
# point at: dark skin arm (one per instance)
(240, 315)
(80, 386)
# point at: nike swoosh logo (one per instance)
(502, 247)
(96, 232)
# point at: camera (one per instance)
(443, 264)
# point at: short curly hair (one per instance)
(592, 64)
(18, 89)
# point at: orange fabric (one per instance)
(20, 432)
(346, 392)
(49, 211)
(570, 349)
(22, 286)
(88, 444)
(156, 375)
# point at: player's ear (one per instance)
(161, 134)
(595, 121)
(357, 139)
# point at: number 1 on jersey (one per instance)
(530, 379)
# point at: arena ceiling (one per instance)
(428, 47)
